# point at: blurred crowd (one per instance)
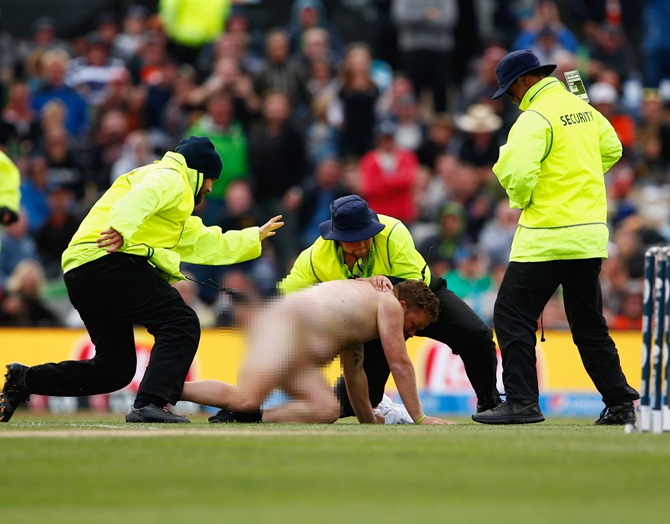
(301, 115)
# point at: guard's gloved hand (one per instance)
(7, 216)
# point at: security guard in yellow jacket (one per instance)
(358, 243)
(117, 269)
(552, 168)
(10, 192)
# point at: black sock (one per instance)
(248, 416)
(144, 399)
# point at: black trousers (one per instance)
(460, 328)
(113, 294)
(525, 290)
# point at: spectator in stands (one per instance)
(467, 189)
(23, 305)
(545, 16)
(42, 39)
(63, 166)
(653, 132)
(19, 113)
(121, 95)
(108, 147)
(389, 175)
(278, 168)
(34, 192)
(387, 105)
(307, 15)
(176, 116)
(604, 98)
(230, 141)
(410, 125)
(9, 55)
(227, 76)
(547, 45)
(629, 315)
(471, 279)
(441, 131)
(426, 42)
(128, 41)
(656, 42)
(478, 140)
(281, 72)
(611, 50)
(439, 187)
(232, 45)
(440, 249)
(54, 236)
(89, 74)
(357, 98)
(138, 150)
(147, 62)
(16, 244)
(495, 237)
(52, 87)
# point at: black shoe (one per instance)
(511, 412)
(152, 414)
(488, 402)
(247, 417)
(222, 417)
(14, 393)
(617, 415)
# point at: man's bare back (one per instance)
(330, 316)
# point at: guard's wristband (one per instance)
(420, 421)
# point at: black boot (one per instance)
(15, 392)
(511, 412)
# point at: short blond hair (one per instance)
(417, 295)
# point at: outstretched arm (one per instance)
(357, 384)
(270, 227)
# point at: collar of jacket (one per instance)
(543, 85)
(176, 161)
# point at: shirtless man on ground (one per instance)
(297, 335)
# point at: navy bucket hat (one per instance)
(351, 220)
(515, 64)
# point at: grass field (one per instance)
(85, 469)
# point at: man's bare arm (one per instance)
(390, 319)
(357, 384)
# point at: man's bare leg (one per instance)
(208, 393)
(312, 401)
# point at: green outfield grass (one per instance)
(84, 469)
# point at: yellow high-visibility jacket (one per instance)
(10, 182)
(151, 207)
(392, 254)
(552, 168)
(194, 22)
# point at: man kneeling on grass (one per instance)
(295, 336)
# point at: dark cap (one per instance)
(200, 154)
(137, 11)
(385, 128)
(515, 64)
(44, 23)
(351, 220)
